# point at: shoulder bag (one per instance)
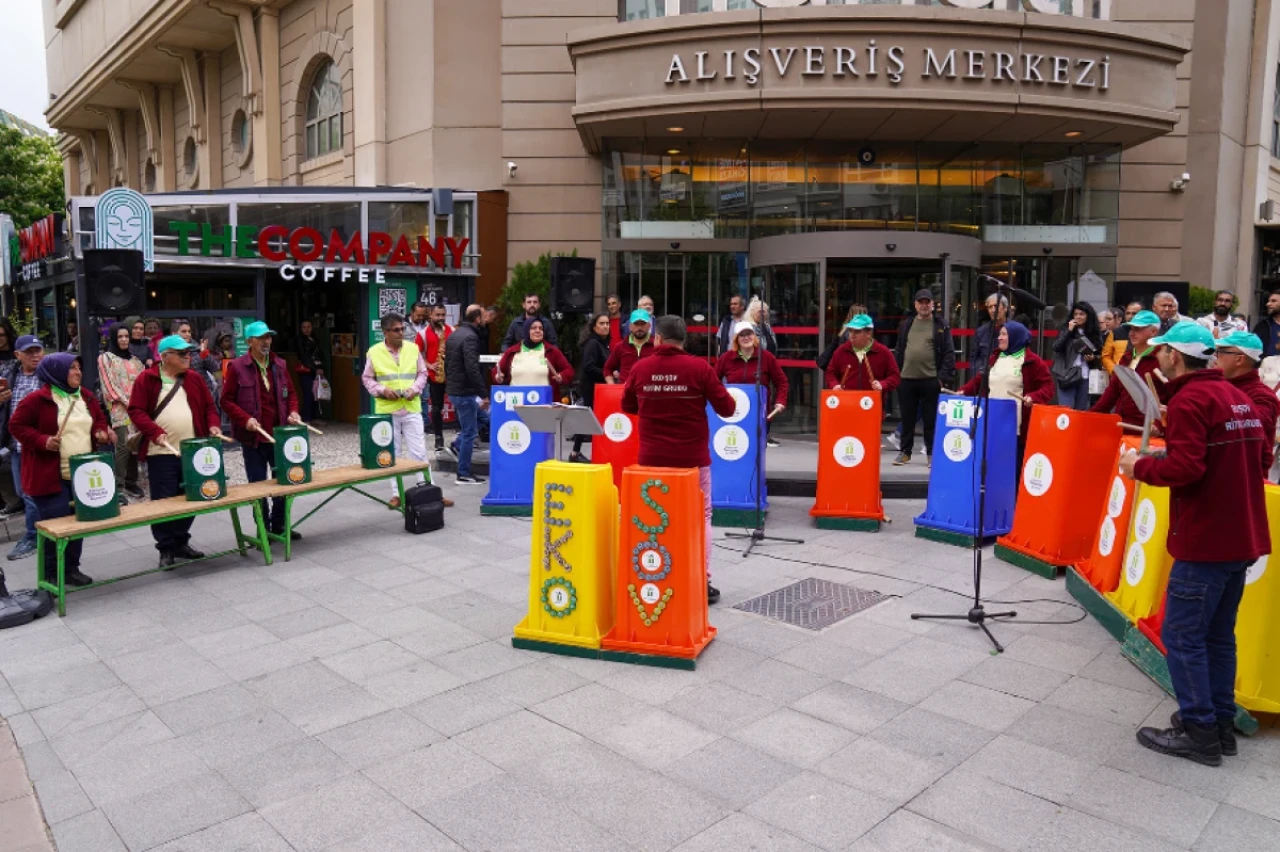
(135, 438)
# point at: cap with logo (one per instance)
(859, 322)
(924, 293)
(1189, 338)
(739, 327)
(258, 329)
(175, 343)
(640, 315)
(28, 341)
(1249, 344)
(1144, 319)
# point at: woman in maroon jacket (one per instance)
(534, 362)
(1019, 374)
(52, 425)
(746, 362)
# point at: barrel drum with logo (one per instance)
(377, 445)
(293, 455)
(204, 477)
(93, 485)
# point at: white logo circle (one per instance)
(1063, 422)
(833, 401)
(617, 427)
(741, 405)
(651, 561)
(1107, 537)
(649, 593)
(1135, 565)
(867, 403)
(849, 451)
(957, 445)
(515, 437)
(731, 443)
(1255, 572)
(382, 433)
(295, 449)
(207, 461)
(1144, 524)
(1037, 475)
(533, 397)
(942, 408)
(94, 484)
(499, 396)
(1115, 502)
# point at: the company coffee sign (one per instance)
(310, 255)
(36, 246)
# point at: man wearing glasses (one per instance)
(168, 408)
(395, 375)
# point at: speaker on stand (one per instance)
(109, 282)
(573, 285)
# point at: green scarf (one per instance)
(540, 349)
(1020, 355)
(61, 394)
(264, 369)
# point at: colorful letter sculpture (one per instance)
(619, 446)
(575, 534)
(737, 458)
(1102, 568)
(661, 584)
(1257, 626)
(1069, 463)
(514, 451)
(1145, 573)
(848, 495)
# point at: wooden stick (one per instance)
(845, 377)
(1152, 384)
(871, 377)
(1130, 427)
(170, 448)
(66, 417)
(313, 429)
(227, 439)
(264, 434)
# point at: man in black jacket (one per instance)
(464, 382)
(1268, 328)
(927, 360)
(515, 331)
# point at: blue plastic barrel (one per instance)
(514, 450)
(957, 464)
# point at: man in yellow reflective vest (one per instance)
(394, 375)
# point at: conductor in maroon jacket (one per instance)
(188, 412)
(259, 393)
(1217, 529)
(1239, 354)
(861, 363)
(670, 391)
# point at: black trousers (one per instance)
(306, 395)
(48, 507)
(918, 396)
(165, 473)
(257, 461)
(437, 411)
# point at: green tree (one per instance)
(1202, 299)
(534, 277)
(30, 177)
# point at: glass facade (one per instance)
(630, 10)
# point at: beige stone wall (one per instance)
(311, 30)
(555, 195)
(85, 35)
(234, 176)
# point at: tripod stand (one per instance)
(978, 614)
(757, 535)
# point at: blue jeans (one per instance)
(29, 505)
(1076, 396)
(468, 411)
(1199, 635)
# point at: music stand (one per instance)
(1143, 398)
(579, 419)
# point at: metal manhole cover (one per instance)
(812, 604)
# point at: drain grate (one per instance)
(812, 603)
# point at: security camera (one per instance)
(891, 246)
(511, 169)
(675, 246)
(1180, 185)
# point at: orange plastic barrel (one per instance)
(1069, 464)
(660, 588)
(1102, 568)
(848, 495)
(619, 446)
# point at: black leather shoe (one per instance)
(1226, 733)
(167, 561)
(187, 552)
(713, 594)
(294, 535)
(78, 579)
(1192, 742)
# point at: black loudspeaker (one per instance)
(114, 281)
(573, 285)
(1145, 291)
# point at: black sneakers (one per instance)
(713, 594)
(1194, 742)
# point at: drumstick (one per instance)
(871, 377)
(227, 439)
(66, 417)
(264, 434)
(170, 448)
(1152, 384)
(312, 429)
(845, 376)
(1130, 427)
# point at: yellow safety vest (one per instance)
(393, 376)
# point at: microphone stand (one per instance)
(977, 613)
(757, 535)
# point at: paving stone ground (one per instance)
(365, 696)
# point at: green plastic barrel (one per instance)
(204, 477)
(93, 483)
(293, 455)
(377, 448)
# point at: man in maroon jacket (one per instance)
(258, 394)
(625, 354)
(1217, 529)
(168, 405)
(1238, 355)
(860, 363)
(1141, 356)
(670, 391)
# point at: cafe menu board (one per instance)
(344, 345)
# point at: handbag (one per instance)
(320, 388)
(134, 441)
(1066, 372)
(1098, 381)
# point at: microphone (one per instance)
(1025, 298)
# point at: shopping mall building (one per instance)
(821, 154)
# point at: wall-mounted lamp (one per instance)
(1180, 185)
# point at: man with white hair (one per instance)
(1165, 304)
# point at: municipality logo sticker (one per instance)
(849, 451)
(381, 434)
(731, 443)
(1144, 526)
(833, 401)
(867, 403)
(295, 450)
(1063, 422)
(95, 485)
(617, 427)
(515, 437)
(1255, 571)
(1037, 475)
(958, 412)
(957, 445)
(1107, 537)
(207, 462)
(1115, 502)
(1135, 565)
(741, 405)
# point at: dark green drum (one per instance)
(204, 477)
(293, 455)
(377, 446)
(93, 485)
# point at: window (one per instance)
(324, 112)
(1275, 118)
(241, 135)
(149, 177)
(190, 162)
(639, 10)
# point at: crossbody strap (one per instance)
(177, 383)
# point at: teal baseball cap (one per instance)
(257, 329)
(1249, 344)
(640, 315)
(1189, 338)
(859, 322)
(175, 343)
(1145, 319)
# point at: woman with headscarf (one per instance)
(1018, 374)
(595, 351)
(139, 345)
(748, 363)
(118, 369)
(534, 362)
(52, 425)
(1076, 352)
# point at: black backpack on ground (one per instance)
(423, 509)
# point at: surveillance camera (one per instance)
(1048, 250)
(1186, 177)
(891, 246)
(1180, 185)
(511, 169)
(675, 246)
